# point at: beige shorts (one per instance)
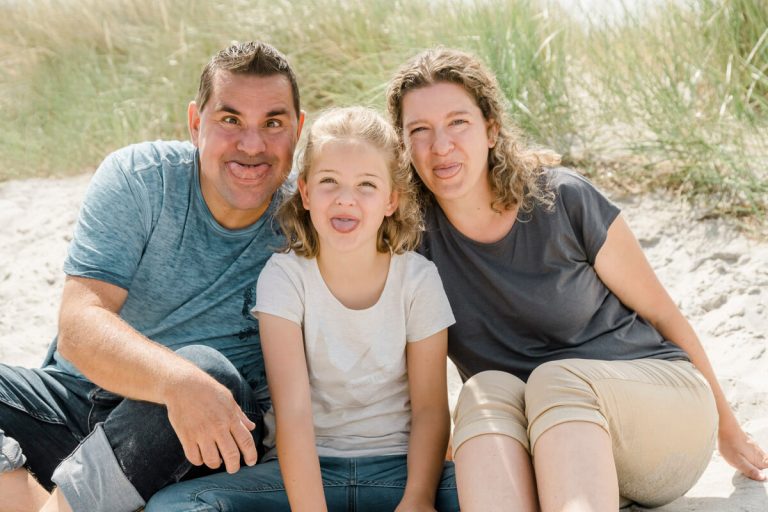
(661, 416)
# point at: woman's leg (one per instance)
(658, 423)
(493, 467)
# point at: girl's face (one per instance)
(449, 140)
(348, 192)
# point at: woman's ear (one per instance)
(493, 133)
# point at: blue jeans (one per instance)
(369, 484)
(108, 453)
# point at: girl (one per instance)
(584, 381)
(353, 331)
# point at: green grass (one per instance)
(675, 98)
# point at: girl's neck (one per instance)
(356, 279)
(473, 216)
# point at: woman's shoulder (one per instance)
(559, 178)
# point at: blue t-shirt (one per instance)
(145, 227)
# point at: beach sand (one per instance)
(718, 276)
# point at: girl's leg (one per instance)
(377, 484)
(258, 487)
(658, 423)
(493, 467)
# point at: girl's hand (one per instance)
(742, 452)
(413, 505)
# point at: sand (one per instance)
(718, 276)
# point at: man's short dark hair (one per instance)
(251, 58)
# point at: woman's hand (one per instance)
(742, 452)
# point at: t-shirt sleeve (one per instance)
(430, 311)
(590, 213)
(113, 226)
(279, 292)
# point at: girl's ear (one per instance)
(302, 184)
(394, 201)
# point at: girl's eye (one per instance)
(327, 180)
(368, 184)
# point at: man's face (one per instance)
(246, 135)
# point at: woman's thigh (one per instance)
(661, 417)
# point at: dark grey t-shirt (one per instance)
(534, 296)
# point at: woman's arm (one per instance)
(623, 268)
(283, 346)
(430, 420)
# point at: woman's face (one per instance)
(449, 140)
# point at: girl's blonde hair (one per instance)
(514, 170)
(400, 231)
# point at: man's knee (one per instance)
(214, 363)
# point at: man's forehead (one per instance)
(272, 93)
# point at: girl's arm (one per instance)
(430, 421)
(622, 266)
(283, 347)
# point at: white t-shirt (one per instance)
(356, 358)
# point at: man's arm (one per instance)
(92, 336)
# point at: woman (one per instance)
(585, 387)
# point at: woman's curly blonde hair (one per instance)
(400, 231)
(514, 170)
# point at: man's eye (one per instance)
(274, 123)
(229, 120)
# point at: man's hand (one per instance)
(210, 424)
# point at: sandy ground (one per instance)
(718, 277)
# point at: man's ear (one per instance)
(301, 124)
(193, 122)
(303, 191)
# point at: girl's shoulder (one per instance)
(289, 262)
(413, 267)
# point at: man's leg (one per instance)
(42, 418)
(135, 451)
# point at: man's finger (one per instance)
(246, 420)
(210, 453)
(245, 443)
(191, 452)
(229, 453)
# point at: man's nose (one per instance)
(252, 142)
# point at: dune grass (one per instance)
(675, 98)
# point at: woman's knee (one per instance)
(490, 402)
(560, 392)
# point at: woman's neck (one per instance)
(473, 216)
(357, 278)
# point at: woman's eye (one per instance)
(457, 122)
(417, 130)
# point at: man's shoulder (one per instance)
(155, 155)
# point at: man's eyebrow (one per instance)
(278, 112)
(223, 107)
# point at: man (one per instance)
(169, 243)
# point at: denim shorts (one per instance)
(370, 484)
(44, 414)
